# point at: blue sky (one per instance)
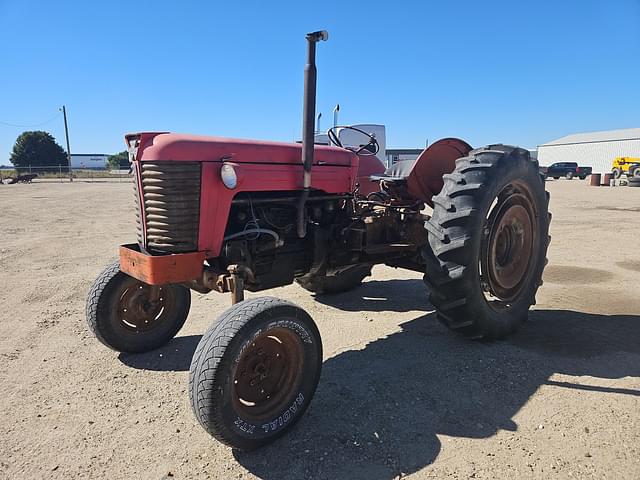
(512, 72)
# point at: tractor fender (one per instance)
(425, 179)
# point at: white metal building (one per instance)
(399, 154)
(89, 160)
(593, 149)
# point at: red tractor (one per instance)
(228, 215)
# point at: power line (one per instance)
(57, 115)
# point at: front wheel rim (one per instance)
(268, 374)
(142, 307)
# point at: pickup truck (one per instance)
(567, 170)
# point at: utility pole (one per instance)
(66, 134)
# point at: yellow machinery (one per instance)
(627, 165)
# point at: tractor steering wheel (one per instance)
(372, 147)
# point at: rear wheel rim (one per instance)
(508, 244)
(268, 374)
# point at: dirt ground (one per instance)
(399, 394)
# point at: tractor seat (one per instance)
(398, 172)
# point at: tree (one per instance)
(38, 149)
(118, 161)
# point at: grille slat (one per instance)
(171, 202)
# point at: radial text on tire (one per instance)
(128, 315)
(488, 239)
(255, 371)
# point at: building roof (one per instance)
(89, 154)
(403, 151)
(591, 137)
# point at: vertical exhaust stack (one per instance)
(308, 117)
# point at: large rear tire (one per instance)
(341, 282)
(128, 315)
(616, 172)
(255, 371)
(488, 239)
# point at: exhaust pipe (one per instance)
(308, 117)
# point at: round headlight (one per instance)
(228, 176)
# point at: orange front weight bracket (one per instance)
(161, 269)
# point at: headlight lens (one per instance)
(228, 176)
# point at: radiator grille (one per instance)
(171, 202)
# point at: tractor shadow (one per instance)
(378, 410)
(381, 296)
(175, 356)
(373, 296)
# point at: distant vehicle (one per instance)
(567, 170)
(27, 178)
(627, 165)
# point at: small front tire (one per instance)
(255, 371)
(128, 315)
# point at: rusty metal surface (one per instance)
(235, 281)
(509, 240)
(268, 374)
(595, 179)
(425, 180)
(143, 307)
(161, 269)
(170, 199)
(510, 250)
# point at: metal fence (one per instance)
(60, 174)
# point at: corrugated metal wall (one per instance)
(597, 155)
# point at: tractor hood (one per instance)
(162, 146)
